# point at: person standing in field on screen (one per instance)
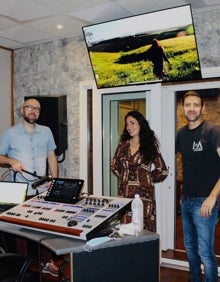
(157, 55)
(138, 164)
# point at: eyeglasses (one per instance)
(32, 108)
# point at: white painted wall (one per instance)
(5, 93)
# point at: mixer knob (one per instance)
(72, 222)
(104, 202)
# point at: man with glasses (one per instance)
(28, 146)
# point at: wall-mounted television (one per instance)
(152, 47)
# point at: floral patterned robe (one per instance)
(138, 177)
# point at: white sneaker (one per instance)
(50, 268)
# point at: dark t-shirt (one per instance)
(201, 162)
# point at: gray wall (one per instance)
(207, 30)
(50, 69)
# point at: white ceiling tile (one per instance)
(5, 22)
(145, 6)
(24, 10)
(98, 13)
(70, 25)
(23, 34)
(71, 5)
(5, 6)
(212, 2)
(9, 43)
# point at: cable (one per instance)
(31, 173)
(27, 179)
(5, 174)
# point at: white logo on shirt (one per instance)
(197, 147)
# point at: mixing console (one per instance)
(82, 220)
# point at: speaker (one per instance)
(54, 115)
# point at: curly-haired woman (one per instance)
(138, 164)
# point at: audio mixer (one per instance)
(82, 220)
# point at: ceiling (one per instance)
(27, 22)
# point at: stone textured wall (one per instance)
(51, 69)
(58, 67)
(207, 30)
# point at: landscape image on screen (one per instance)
(122, 52)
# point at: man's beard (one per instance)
(195, 118)
(31, 121)
(192, 120)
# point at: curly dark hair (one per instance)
(149, 143)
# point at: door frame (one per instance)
(170, 103)
(97, 124)
(162, 109)
(110, 103)
(155, 114)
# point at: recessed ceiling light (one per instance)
(59, 26)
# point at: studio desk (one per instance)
(131, 258)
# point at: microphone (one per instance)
(31, 173)
(42, 180)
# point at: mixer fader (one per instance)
(82, 220)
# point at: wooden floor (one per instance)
(173, 275)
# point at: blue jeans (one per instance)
(199, 237)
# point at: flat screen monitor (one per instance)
(152, 47)
(64, 190)
(13, 193)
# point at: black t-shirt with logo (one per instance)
(201, 162)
